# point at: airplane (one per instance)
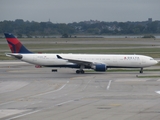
(97, 62)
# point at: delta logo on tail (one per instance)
(15, 45)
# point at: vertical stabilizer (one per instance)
(15, 45)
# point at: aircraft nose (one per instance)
(156, 61)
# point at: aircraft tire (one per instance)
(141, 71)
(80, 71)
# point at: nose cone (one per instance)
(155, 61)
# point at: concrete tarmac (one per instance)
(28, 93)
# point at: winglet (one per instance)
(15, 45)
(59, 57)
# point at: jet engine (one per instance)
(100, 67)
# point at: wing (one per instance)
(79, 62)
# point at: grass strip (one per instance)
(153, 76)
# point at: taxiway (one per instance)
(28, 93)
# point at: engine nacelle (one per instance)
(100, 67)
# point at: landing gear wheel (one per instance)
(77, 71)
(141, 71)
(80, 71)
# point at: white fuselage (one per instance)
(123, 61)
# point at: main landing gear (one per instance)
(80, 71)
(141, 71)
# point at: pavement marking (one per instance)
(157, 92)
(10, 112)
(109, 84)
(51, 91)
(86, 85)
(18, 116)
(7, 103)
(64, 102)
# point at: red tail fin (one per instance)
(15, 45)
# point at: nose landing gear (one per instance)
(141, 71)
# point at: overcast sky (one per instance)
(67, 11)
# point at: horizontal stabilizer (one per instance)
(18, 56)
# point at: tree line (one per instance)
(27, 28)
